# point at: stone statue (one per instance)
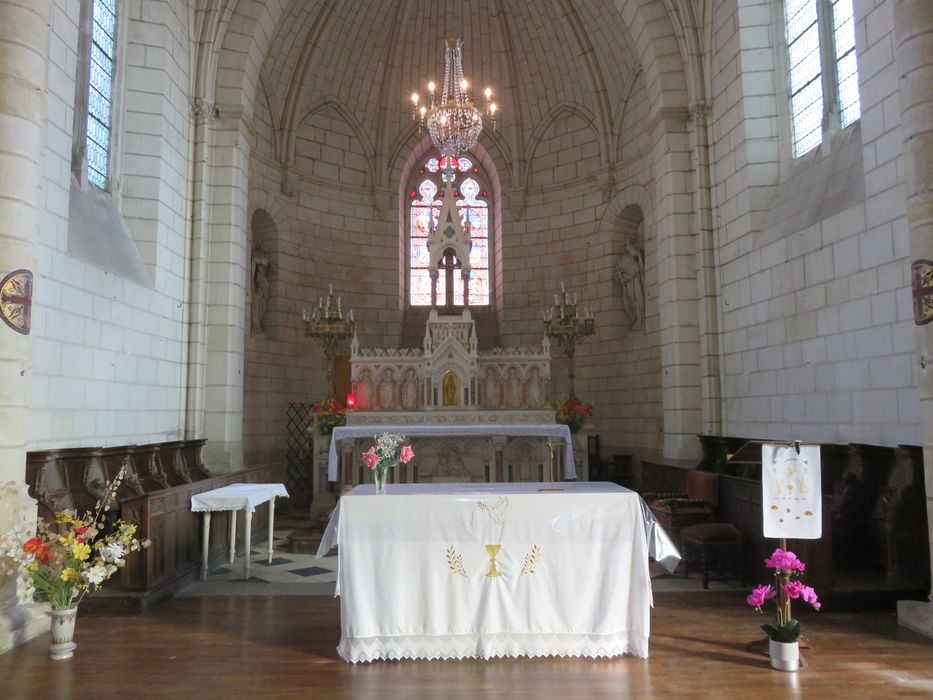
(364, 391)
(451, 389)
(387, 390)
(630, 272)
(513, 389)
(260, 299)
(410, 390)
(490, 389)
(534, 389)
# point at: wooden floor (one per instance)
(284, 647)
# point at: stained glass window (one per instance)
(424, 207)
(806, 101)
(100, 91)
(850, 107)
(806, 60)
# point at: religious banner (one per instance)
(791, 500)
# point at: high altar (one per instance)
(502, 397)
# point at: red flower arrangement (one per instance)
(572, 413)
(328, 415)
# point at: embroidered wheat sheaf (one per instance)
(455, 562)
(532, 559)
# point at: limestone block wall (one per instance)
(813, 252)
(109, 363)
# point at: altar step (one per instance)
(306, 537)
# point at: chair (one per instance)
(716, 548)
(675, 511)
(599, 470)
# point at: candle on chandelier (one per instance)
(431, 87)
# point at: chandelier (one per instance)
(454, 123)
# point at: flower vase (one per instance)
(380, 474)
(785, 656)
(63, 630)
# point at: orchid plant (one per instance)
(786, 587)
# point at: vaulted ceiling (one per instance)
(365, 58)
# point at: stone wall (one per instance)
(110, 353)
(813, 252)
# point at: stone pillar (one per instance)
(913, 35)
(24, 43)
(225, 292)
(678, 296)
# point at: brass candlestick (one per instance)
(564, 323)
(328, 326)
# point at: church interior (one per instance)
(611, 249)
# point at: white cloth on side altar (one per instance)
(574, 581)
(556, 430)
(237, 497)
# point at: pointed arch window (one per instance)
(474, 206)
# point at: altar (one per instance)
(473, 416)
(450, 571)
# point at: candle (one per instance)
(556, 303)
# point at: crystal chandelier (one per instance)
(454, 123)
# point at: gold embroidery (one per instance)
(455, 562)
(495, 511)
(493, 550)
(532, 559)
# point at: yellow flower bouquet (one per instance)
(64, 560)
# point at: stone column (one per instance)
(24, 43)
(678, 297)
(225, 291)
(913, 35)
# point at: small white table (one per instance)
(232, 498)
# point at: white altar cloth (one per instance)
(237, 497)
(455, 430)
(413, 571)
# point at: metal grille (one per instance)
(299, 454)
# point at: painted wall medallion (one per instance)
(16, 300)
(921, 277)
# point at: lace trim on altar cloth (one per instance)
(492, 646)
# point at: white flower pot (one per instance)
(63, 630)
(785, 656)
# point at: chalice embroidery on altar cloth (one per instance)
(493, 550)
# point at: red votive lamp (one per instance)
(351, 401)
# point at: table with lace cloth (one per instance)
(449, 571)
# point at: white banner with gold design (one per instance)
(488, 570)
(791, 499)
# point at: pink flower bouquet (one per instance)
(387, 452)
(786, 587)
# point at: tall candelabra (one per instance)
(565, 324)
(327, 325)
